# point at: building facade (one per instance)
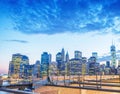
(94, 67)
(45, 60)
(78, 54)
(36, 70)
(113, 56)
(15, 65)
(75, 66)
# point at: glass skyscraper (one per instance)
(78, 54)
(113, 56)
(45, 60)
(15, 65)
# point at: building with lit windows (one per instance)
(36, 70)
(67, 57)
(75, 66)
(63, 54)
(93, 67)
(113, 56)
(53, 68)
(78, 55)
(59, 61)
(15, 68)
(95, 54)
(45, 60)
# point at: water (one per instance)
(2, 92)
(4, 84)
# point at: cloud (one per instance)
(19, 41)
(59, 16)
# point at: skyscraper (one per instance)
(45, 58)
(75, 66)
(94, 54)
(93, 66)
(108, 64)
(50, 58)
(113, 56)
(63, 54)
(67, 57)
(14, 66)
(36, 71)
(59, 60)
(78, 55)
(11, 69)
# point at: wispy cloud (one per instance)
(58, 16)
(19, 41)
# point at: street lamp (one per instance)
(96, 76)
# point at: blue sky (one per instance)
(32, 26)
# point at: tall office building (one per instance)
(113, 56)
(107, 68)
(11, 69)
(45, 60)
(78, 55)
(94, 54)
(108, 64)
(67, 57)
(14, 66)
(63, 54)
(36, 71)
(94, 67)
(50, 58)
(75, 66)
(59, 61)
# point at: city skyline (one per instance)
(32, 27)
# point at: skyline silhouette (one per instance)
(31, 27)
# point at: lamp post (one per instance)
(119, 74)
(58, 73)
(100, 78)
(96, 76)
(64, 78)
(79, 79)
(69, 77)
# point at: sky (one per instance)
(31, 27)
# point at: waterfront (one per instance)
(2, 92)
(5, 90)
